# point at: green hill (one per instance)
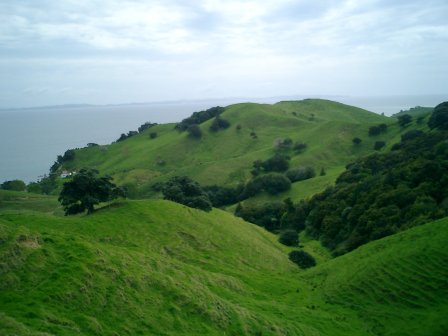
(225, 157)
(159, 268)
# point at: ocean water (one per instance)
(31, 139)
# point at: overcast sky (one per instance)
(121, 51)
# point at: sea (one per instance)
(31, 138)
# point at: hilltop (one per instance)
(159, 268)
(225, 157)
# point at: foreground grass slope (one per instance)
(159, 268)
(226, 157)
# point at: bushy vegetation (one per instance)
(277, 163)
(272, 183)
(145, 126)
(300, 173)
(15, 185)
(404, 120)
(86, 190)
(356, 141)
(302, 258)
(381, 194)
(378, 145)
(219, 123)
(221, 196)
(194, 131)
(198, 118)
(439, 118)
(289, 238)
(183, 190)
(378, 129)
(68, 156)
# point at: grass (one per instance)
(24, 201)
(159, 268)
(226, 157)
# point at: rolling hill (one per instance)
(225, 157)
(158, 268)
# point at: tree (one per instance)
(219, 123)
(87, 189)
(300, 173)
(274, 183)
(356, 141)
(404, 120)
(439, 117)
(289, 238)
(153, 135)
(303, 259)
(15, 185)
(183, 190)
(194, 131)
(378, 145)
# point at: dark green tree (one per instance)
(15, 185)
(378, 145)
(86, 190)
(183, 190)
(404, 120)
(303, 259)
(194, 131)
(439, 117)
(289, 238)
(356, 141)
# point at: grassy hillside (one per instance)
(24, 201)
(226, 157)
(159, 268)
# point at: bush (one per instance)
(410, 135)
(194, 131)
(183, 190)
(356, 141)
(274, 183)
(300, 174)
(199, 117)
(439, 117)
(404, 120)
(378, 145)
(219, 123)
(145, 126)
(303, 259)
(153, 135)
(299, 147)
(289, 238)
(15, 185)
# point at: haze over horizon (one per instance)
(112, 52)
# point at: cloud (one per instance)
(173, 49)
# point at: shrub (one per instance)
(378, 145)
(356, 141)
(439, 117)
(289, 238)
(299, 147)
(219, 123)
(300, 174)
(153, 135)
(199, 117)
(303, 259)
(404, 120)
(183, 190)
(410, 135)
(15, 185)
(274, 183)
(322, 172)
(145, 126)
(194, 131)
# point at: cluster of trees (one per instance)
(15, 185)
(199, 117)
(300, 173)
(68, 156)
(183, 190)
(141, 128)
(381, 194)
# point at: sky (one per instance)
(124, 51)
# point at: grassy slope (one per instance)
(226, 157)
(155, 267)
(24, 201)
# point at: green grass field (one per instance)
(159, 268)
(226, 157)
